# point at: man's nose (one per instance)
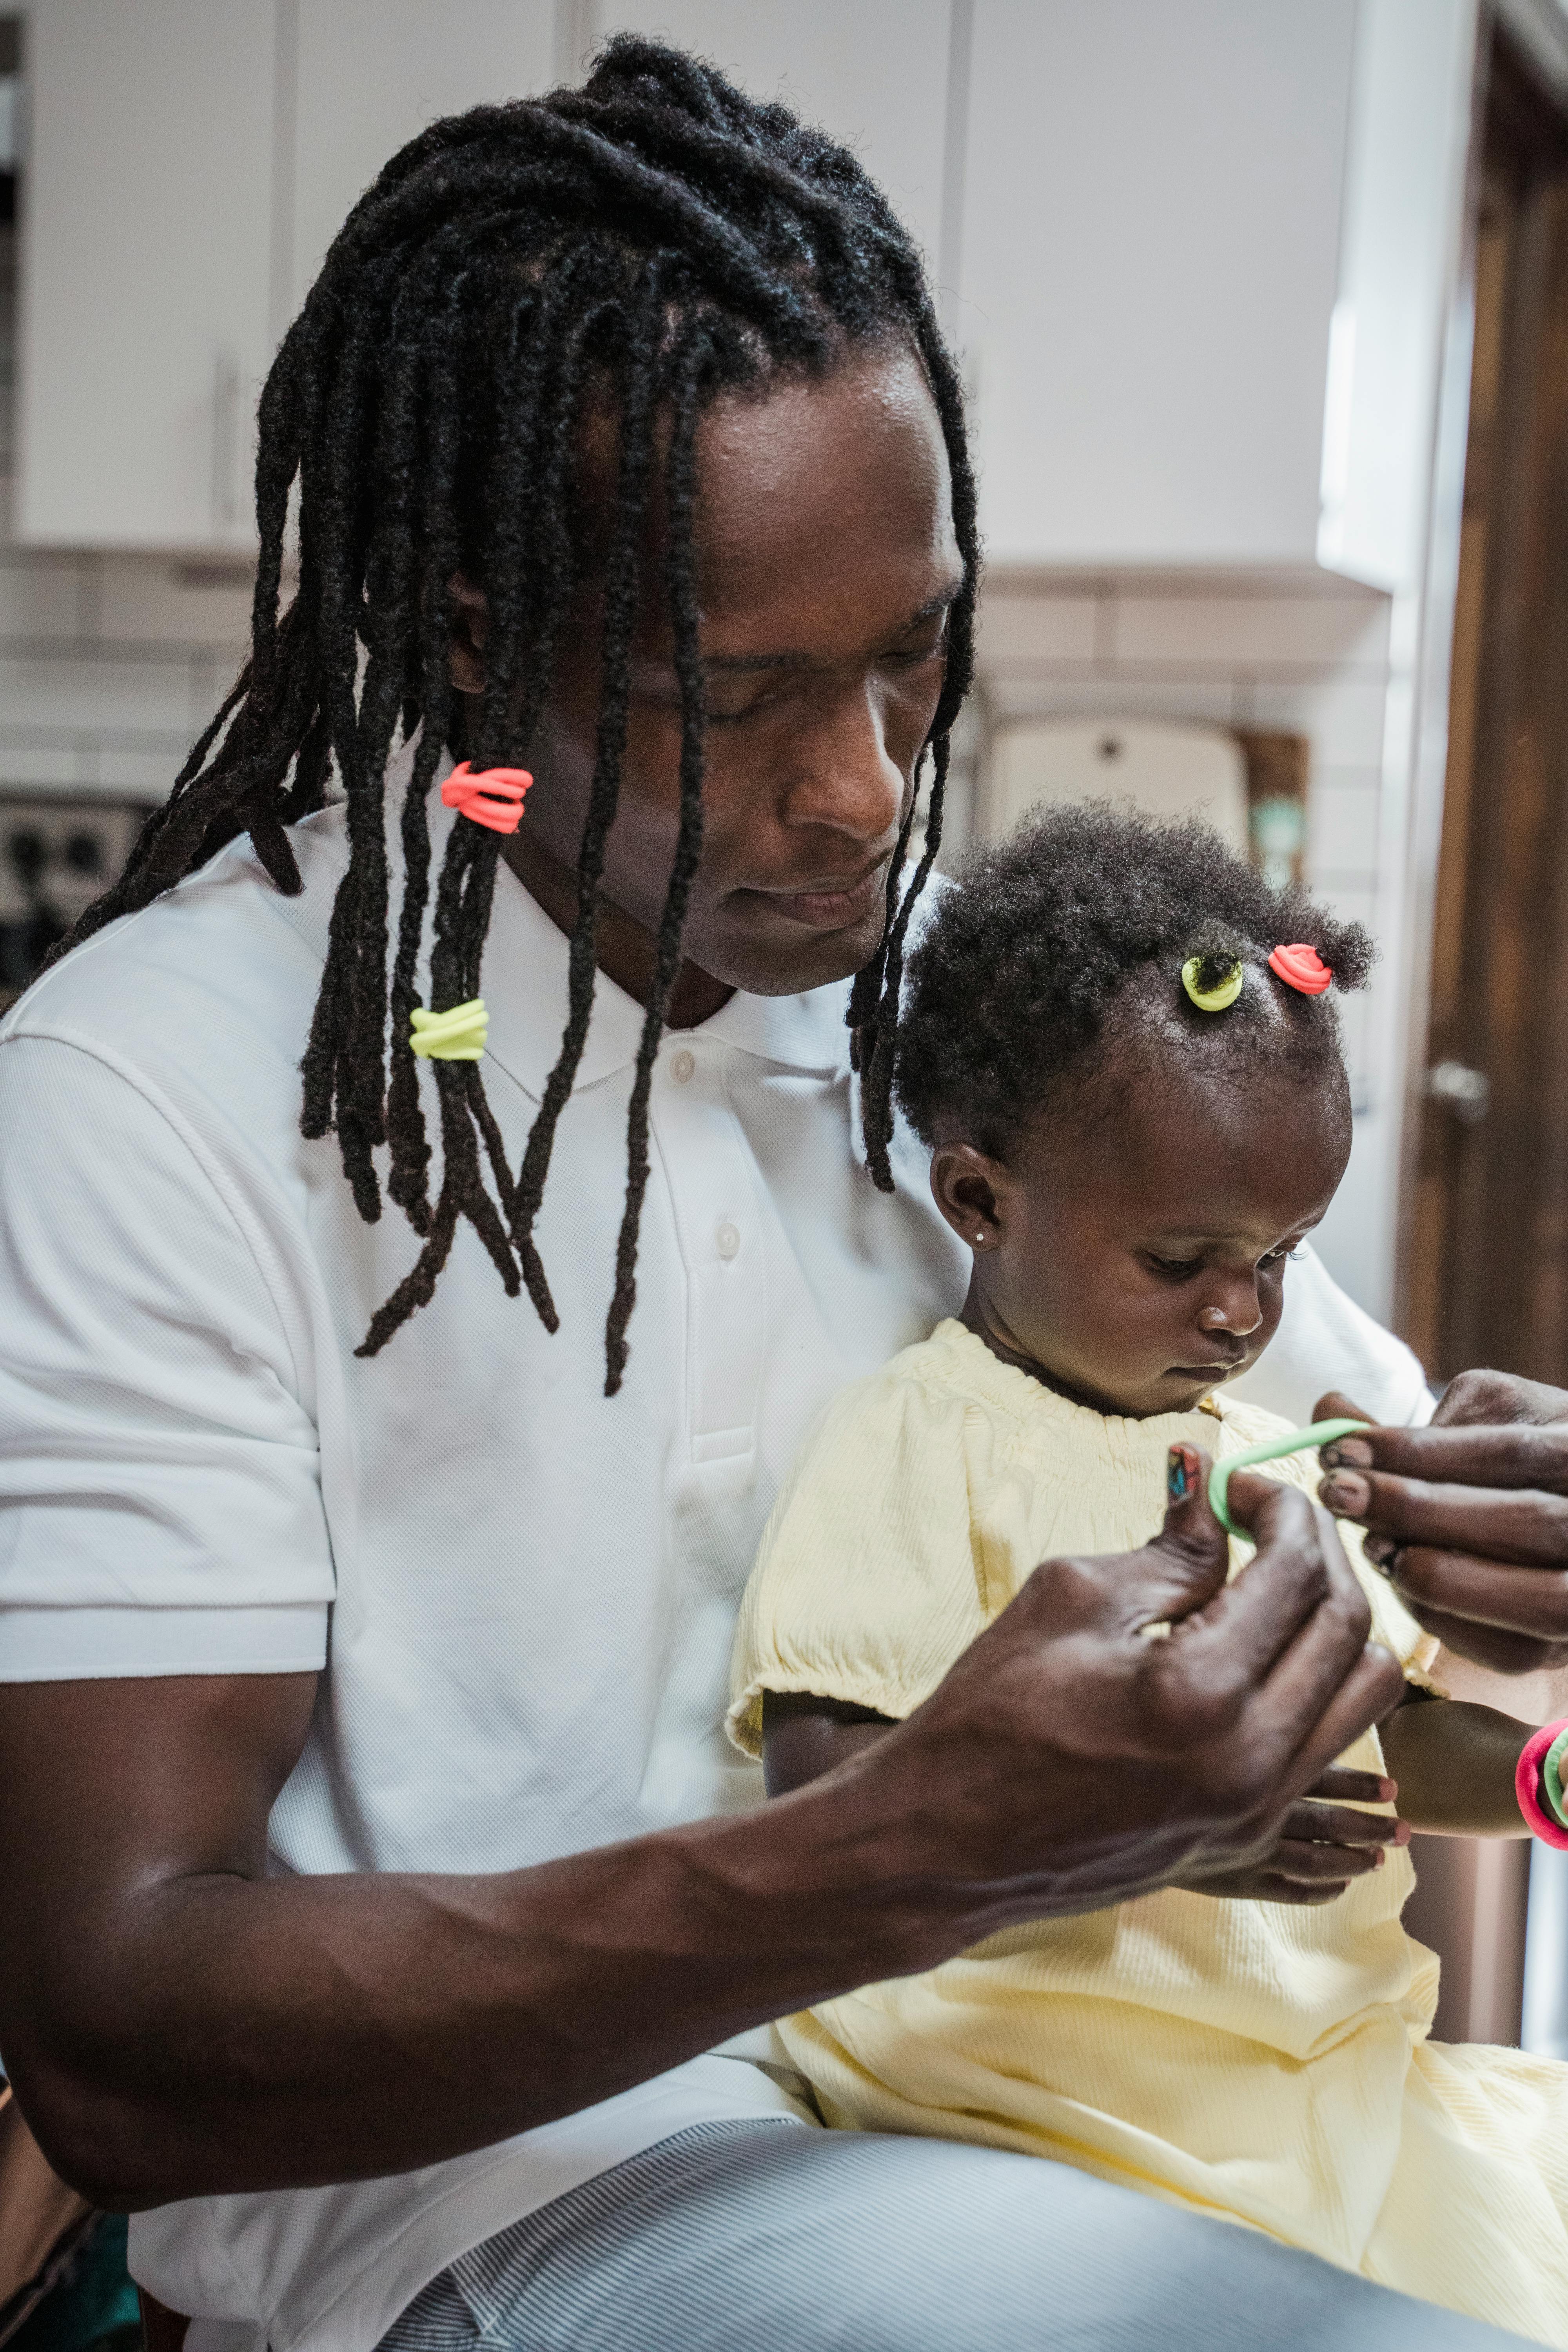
(845, 777)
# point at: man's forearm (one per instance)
(232, 2034)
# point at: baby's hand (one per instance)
(1325, 1844)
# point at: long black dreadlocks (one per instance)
(644, 243)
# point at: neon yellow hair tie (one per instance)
(455, 1036)
(1211, 1000)
(1295, 1441)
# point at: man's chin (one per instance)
(788, 961)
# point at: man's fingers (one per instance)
(1531, 1601)
(1337, 1406)
(1526, 1529)
(1487, 1646)
(1493, 1398)
(1299, 1572)
(1328, 1708)
(1449, 1461)
(1189, 1559)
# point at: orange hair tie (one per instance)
(492, 798)
(1301, 967)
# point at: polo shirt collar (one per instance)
(525, 989)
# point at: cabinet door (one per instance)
(873, 73)
(368, 75)
(1149, 250)
(147, 231)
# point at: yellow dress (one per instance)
(1262, 2062)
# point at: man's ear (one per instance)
(972, 1192)
(470, 627)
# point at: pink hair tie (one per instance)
(1527, 1786)
(1301, 967)
(492, 798)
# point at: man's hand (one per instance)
(181, 2022)
(1070, 1759)
(1325, 1843)
(1468, 1518)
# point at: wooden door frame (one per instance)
(1538, 32)
(1463, 660)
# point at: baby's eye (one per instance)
(1174, 1269)
(1281, 1256)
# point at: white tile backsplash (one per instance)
(1312, 664)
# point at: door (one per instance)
(1487, 1270)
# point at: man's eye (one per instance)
(914, 656)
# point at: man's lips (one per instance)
(831, 906)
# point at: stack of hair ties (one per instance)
(1538, 1784)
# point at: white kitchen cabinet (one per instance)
(189, 162)
(1152, 223)
(1207, 247)
(368, 75)
(1150, 257)
(144, 329)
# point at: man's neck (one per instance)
(625, 950)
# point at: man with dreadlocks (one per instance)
(365, 1817)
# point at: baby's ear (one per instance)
(969, 1190)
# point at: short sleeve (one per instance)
(160, 1479)
(867, 1585)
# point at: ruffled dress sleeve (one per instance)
(868, 1584)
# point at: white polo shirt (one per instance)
(521, 1591)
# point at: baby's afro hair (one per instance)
(1087, 907)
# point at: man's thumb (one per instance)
(1191, 1544)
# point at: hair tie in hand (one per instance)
(1301, 967)
(1218, 999)
(493, 797)
(1531, 1787)
(1295, 1441)
(458, 1036)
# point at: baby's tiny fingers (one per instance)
(1316, 1864)
(1303, 1893)
(1337, 1826)
(1354, 1788)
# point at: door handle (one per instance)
(1467, 1093)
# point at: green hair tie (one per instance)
(456, 1036)
(1295, 1441)
(1218, 999)
(1551, 1777)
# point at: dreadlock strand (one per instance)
(620, 624)
(681, 572)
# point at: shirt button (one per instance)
(683, 1066)
(729, 1240)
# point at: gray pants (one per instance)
(769, 2234)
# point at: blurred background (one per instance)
(1263, 309)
